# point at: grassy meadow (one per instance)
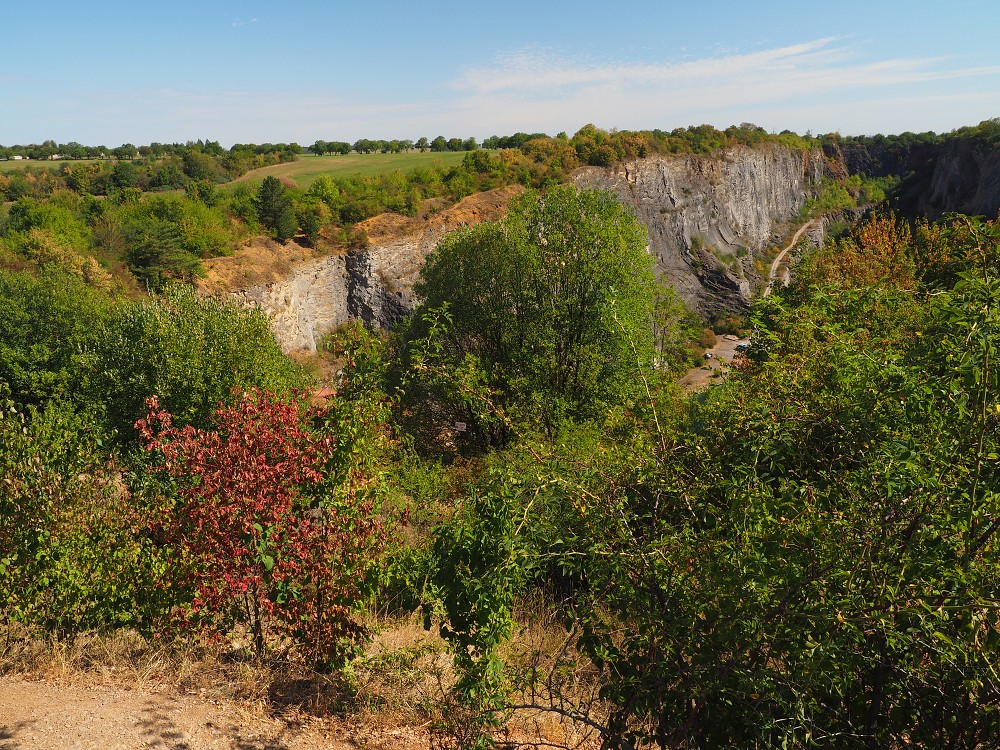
(307, 168)
(22, 164)
(304, 170)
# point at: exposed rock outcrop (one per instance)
(708, 217)
(306, 296)
(708, 220)
(960, 174)
(963, 177)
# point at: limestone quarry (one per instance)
(708, 218)
(306, 295)
(709, 221)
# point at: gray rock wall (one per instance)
(311, 301)
(964, 178)
(372, 284)
(708, 217)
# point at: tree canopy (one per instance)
(274, 209)
(550, 306)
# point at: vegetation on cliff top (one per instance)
(805, 555)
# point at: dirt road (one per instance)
(713, 368)
(47, 715)
(781, 257)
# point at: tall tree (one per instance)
(552, 305)
(274, 209)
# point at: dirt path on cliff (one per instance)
(773, 275)
(48, 715)
(715, 367)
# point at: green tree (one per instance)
(156, 255)
(274, 209)
(190, 352)
(549, 308)
(47, 329)
(126, 151)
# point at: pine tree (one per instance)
(274, 209)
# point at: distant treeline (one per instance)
(157, 166)
(50, 150)
(541, 158)
(58, 215)
(987, 130)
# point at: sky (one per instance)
(106, 72)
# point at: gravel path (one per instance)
(776, 264)
(712, 369)
(47, 715)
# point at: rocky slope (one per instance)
(960, 174)
(964, 177)
(708, 217)
(306, 296)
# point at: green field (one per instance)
(11, 165)
(308, 168)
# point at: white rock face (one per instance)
(707, 217)
(307, 298)
(310, 302)
(374, 285)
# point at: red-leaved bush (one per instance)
(274, 524)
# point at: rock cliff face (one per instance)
(306, 297)
(708, 220)
(960, 174)
(708, 217)
(964, 176)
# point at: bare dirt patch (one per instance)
(432, 216)
(263, 261)
(713, 369)
(121, 692)
(260, 261)
(48, 715)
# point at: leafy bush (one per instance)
(73, 552)
(48, 328)
(550, 309)
(275, 525)
(190, 352)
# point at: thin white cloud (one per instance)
(821, 85)
(816, 67)
(546, 91)
(532, 70)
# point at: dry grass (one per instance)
(389, 697)
(123, 658)
(397, 682)
(558, 687)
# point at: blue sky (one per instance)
(109, 72)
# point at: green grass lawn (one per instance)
(11, 165)
(308, 167)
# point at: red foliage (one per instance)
(263, 536)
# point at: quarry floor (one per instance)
(713, 369)
(50, 715)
